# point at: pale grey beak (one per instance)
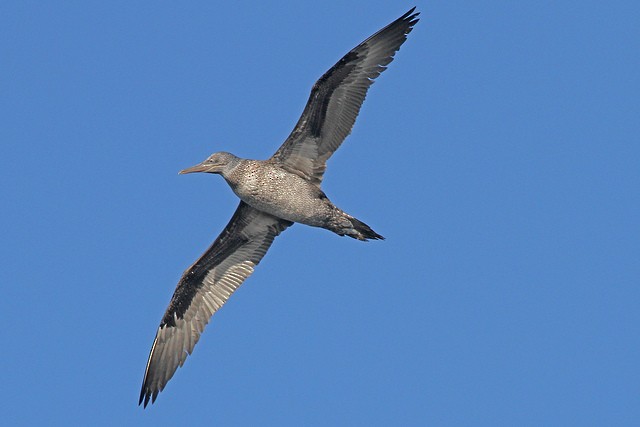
(200, 167)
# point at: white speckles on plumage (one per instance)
(274, 193)
(266, 186)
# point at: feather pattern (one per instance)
(336, 99)
(204, 288)
(326, 121)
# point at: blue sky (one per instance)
(499, 155)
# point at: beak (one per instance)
(200, 167)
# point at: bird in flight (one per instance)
(273, 194)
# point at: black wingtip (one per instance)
(143, 397)
(410, 17)
(147, 396)
(410, 13)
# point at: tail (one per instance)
(361, 231)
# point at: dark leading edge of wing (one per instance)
(204, 288)
(336, 99)
(326, 121)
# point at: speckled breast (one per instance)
(283, 194)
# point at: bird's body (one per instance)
(274, 193)
(267, 186)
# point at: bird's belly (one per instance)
(285, 196)
(305, 214)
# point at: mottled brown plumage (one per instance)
(274, 194)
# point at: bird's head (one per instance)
(215, 163)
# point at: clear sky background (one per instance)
(499, 155)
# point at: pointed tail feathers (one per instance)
(362, 231)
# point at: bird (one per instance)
(274, 194)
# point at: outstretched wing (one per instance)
(204, 288)
(336, 99)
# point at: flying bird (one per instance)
(274, 193)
